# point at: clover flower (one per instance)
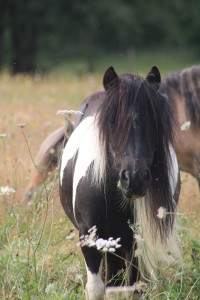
(91, 240)
(67, 114)
(185, 126)
(6, 190)
(161, 212)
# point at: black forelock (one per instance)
(136, 95)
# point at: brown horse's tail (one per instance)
(48, 157)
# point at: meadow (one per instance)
(39, 256)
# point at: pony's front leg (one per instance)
(94, 261)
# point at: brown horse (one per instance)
(183, 90)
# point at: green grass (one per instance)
(38, 262)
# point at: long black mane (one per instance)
(133, 95)
(185, 84)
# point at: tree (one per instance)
(2, 24)
(23, 26)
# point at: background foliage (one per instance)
(34, 32)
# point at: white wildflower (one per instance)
(6, 190)
(105, 249)
(50, 288)
(116, 291)
(109, 245)
(185, 126)
(93, 229)
(111, 249)
(138, 237)
(2, 135)
(161, 212)
(137, 253)
(71, 236)
(91, 240)
(118, 240)
(91, 244)
(69, 113)
(21, 125)
(140, 286)
(100, 243)
(52, 151)
(79, 278)
(88, 239)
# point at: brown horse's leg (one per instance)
(40, 175)
(48, 157)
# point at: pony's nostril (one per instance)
(125, 176)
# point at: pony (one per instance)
(118, 168)
(183, 91)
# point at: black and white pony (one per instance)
(118, 168)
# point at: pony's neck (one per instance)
(91, 153)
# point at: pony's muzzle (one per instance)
(135, 183)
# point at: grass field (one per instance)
(39, 258)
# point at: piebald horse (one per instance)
(118, 168)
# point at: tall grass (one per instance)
(39, 257)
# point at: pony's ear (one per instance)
(110, 78)
(153, 77)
